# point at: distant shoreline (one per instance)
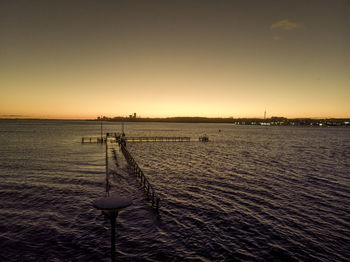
(273, 121)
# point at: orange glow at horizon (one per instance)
(177, 60)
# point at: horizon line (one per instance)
(105, 118)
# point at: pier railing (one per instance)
(142, 138)
(157, 139)
(144, 183)
(93, 140)
(121, 140)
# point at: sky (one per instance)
(83, 59)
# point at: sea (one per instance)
(252, 193)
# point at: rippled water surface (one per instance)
(251, 194)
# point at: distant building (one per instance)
(133, 116)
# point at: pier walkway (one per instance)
(158, 139)
(94, 139)
(142, 139)
(121, 140)
(144, 183)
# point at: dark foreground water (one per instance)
(251, 194)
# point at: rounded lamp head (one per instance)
(112, 203)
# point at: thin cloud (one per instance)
(11, 115)
(285, 25)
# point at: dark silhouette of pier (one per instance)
(144, 183)
(121, 139)
(111, 205)
(93, 140)
(157, 139)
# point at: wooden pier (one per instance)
(144, 183)
(93, 140)
(158, 139)
(121, 139)
(140, 139)
(204, 138)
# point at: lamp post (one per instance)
(111, 206)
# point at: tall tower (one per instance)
(265, 114)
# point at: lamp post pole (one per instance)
(112, 205)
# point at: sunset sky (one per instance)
(82, 59)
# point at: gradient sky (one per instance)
(81, 59)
